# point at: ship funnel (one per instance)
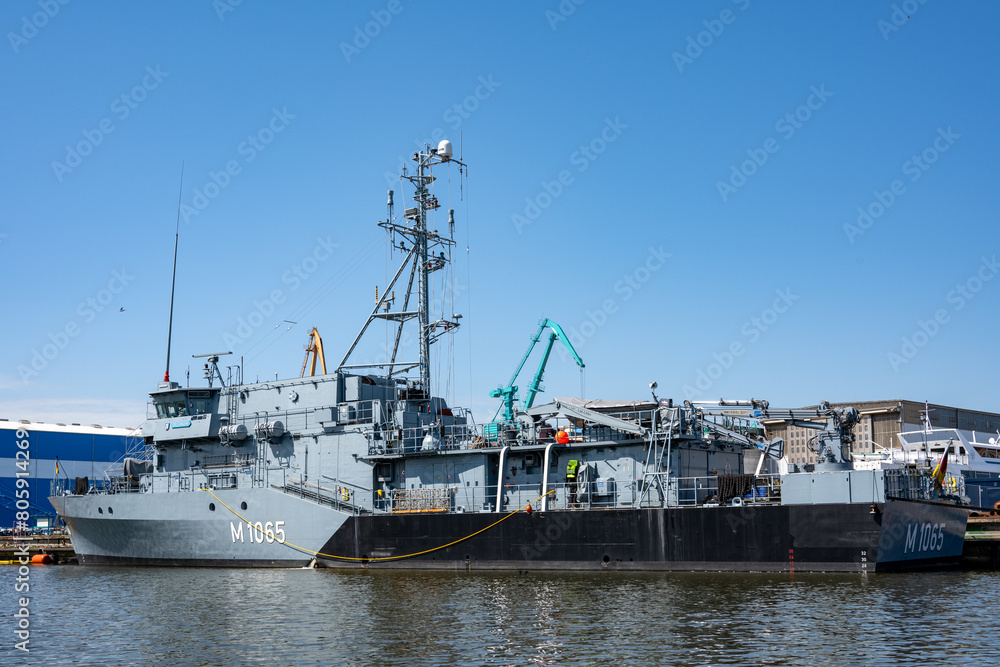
(444, 149)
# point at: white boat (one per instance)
(967, 454)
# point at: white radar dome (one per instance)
(444, 149)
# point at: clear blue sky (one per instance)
(714, 157)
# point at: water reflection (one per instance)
(246, 617)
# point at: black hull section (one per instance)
(828, 538)
(189, 562)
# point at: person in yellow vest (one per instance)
(571, 480)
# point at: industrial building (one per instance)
(36, 453)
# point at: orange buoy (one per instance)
(562, 437)
(41, 559)
(996, 505)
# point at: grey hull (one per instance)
(184, 529)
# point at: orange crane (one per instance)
(315, 350)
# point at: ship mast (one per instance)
(424, 263)
(422, 180)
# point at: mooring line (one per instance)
(270, 534)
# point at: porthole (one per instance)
(110, 511)
(211, 507)
(100, 510)
(243, 505)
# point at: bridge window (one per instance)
(170, 409)
(200, 401)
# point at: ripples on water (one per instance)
(153, 616)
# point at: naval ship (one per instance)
(365, 467)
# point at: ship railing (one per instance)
(589, 495)
(723, 489)
(109, 485)
(192, 480)
(912, 484)
(339, 495)
(68, 486)
(653, 490)
(136, 448)
(360, 412)
(229, 460)
(211, 477)
(593, 494)
(427, 438)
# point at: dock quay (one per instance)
(982, 542)
(57, 547)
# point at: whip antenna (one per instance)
(173, 277)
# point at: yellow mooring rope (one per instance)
(381, 558)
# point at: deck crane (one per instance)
(508, 394)
(834, 425)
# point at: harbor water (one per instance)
(161, 616)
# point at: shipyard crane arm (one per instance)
(508, 394)
(315, 350)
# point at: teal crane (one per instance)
(508, 394)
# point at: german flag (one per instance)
(941, 469)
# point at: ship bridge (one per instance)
(184, 413)
(175, 401)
